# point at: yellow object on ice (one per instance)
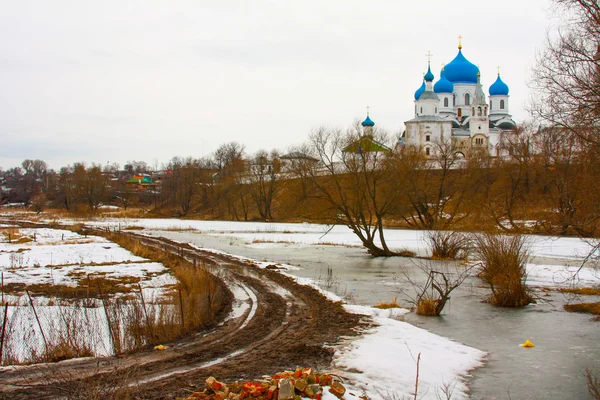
(527, 344)
(160, 347)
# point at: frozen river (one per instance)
(566, 343)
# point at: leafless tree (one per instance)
(264, 182)
(354, 179)
(441, 279)
(185, 183)
(436, 187)
(566, 78)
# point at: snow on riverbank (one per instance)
(53, 259)
(61, 257)
(567, 252)
(382, 362)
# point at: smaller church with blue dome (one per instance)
(455, 111)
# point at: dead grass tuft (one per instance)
(582, 291)
(503, 259)
(449, 245)
(392, 304)
(428, 306)
(587, 308)
(406, 253)
(14, 235)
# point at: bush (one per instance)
(502, 260)
(446, 245)
(429, 306)
(434, 293)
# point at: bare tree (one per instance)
(264, 182)
(432, 295)
(566, 78)
(354, 179)
(184, 184)
(435, 186)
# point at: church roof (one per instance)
(443, 85)
(368, 121)
(365, 143)
(461, 70)
(419, 91)
(479, 95)
(429, 75)
(498, 88)
(428, 95)
(428, 118)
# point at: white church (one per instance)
(454, 111)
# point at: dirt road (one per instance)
(284, 326)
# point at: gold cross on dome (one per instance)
(498, 70)
(368, 110)
(429, 56)
(460, 41)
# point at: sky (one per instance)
(117, 80)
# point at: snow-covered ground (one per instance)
(55, 257)
(383, 362)
(61, 257)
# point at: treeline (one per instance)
(542, 180)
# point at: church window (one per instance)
(502, 104)
(427, 151)
(459, 112)
(421, 110)
(467, 99)
(427, 138)
(446, 102)
(479, 141)
(479, 111)
(436, 110)
(491, 105)
(453, 100)
(415, 108)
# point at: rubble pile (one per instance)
(302, 383)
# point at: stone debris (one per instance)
(289, 385)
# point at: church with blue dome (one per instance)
(454, 110)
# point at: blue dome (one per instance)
(443, 85)
(461, 70)
(499, 88)
(428, 76)
(420, 91)
(368, 122)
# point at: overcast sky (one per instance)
(117, 80)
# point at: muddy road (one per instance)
(283, 326)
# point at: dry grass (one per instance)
(14, 235)
(428, 306)
(581, 291)
(587, 308)
(503, 260)
(133, 322)
(392, 304)
(195, 301)
(405, 253)
(447, 245)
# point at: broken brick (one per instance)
(337, 389)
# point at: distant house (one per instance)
(141, 182)
(291, 161)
